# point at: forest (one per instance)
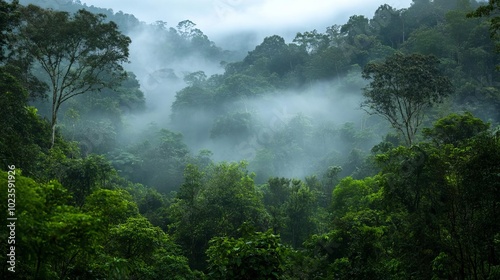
(133, 150)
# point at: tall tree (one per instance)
(77, 53)
(402, 87)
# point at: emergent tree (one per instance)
(402, 87)
(77, 53)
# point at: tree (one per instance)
(312, 41)
(214, 203)
(192, 185)
(162, 159)
(454, 129)
(83, 176)
(234, 128)
(443, 200)
(275, 193)
(80, 54)
(8, 21)
(258, 255)
(355, 26)
(429, 41)
(299, 209)
(52, 237)
(24, 136)
(355, 246)
(402, 87)
(271, 47)
(149, 253)
(389, 25)
(492, 8)
(472, 210)
(112, 207)
(290, 205)
(195, 78)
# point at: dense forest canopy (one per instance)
(369, 150)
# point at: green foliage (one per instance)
(147, 251)
(353, 195)
(389, 25)
(8, 21)
(258, 255)
(275, 193)
(230, 198)
(192, 185)
(82, 53)
(434, 188)
(151, 204)
(454, 128)
(428, 41)
(487, 10)
(328, 63)
(191, 97)
(58, 241)
(473, 204)
(292, 206)
(402, 87)
(214, 203)
(111, 206)
(272, 51)
(24, 136)
(157, 162)
(196, 78)
(240, 86)
(82, 176)
(299, 209)
(355, 247)
(312, 42)
(96, 120)
(235, 127)
(51, 236)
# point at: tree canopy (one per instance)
(80, 54)
(402, 88)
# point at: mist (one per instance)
(233, 24)
(322, 107)
(292, 130)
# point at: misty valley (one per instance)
(369, 149)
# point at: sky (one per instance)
(218, 18)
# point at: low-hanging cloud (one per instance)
(220, 18)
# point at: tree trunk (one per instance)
(53, 135)
(53, 126)
(54, 113)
